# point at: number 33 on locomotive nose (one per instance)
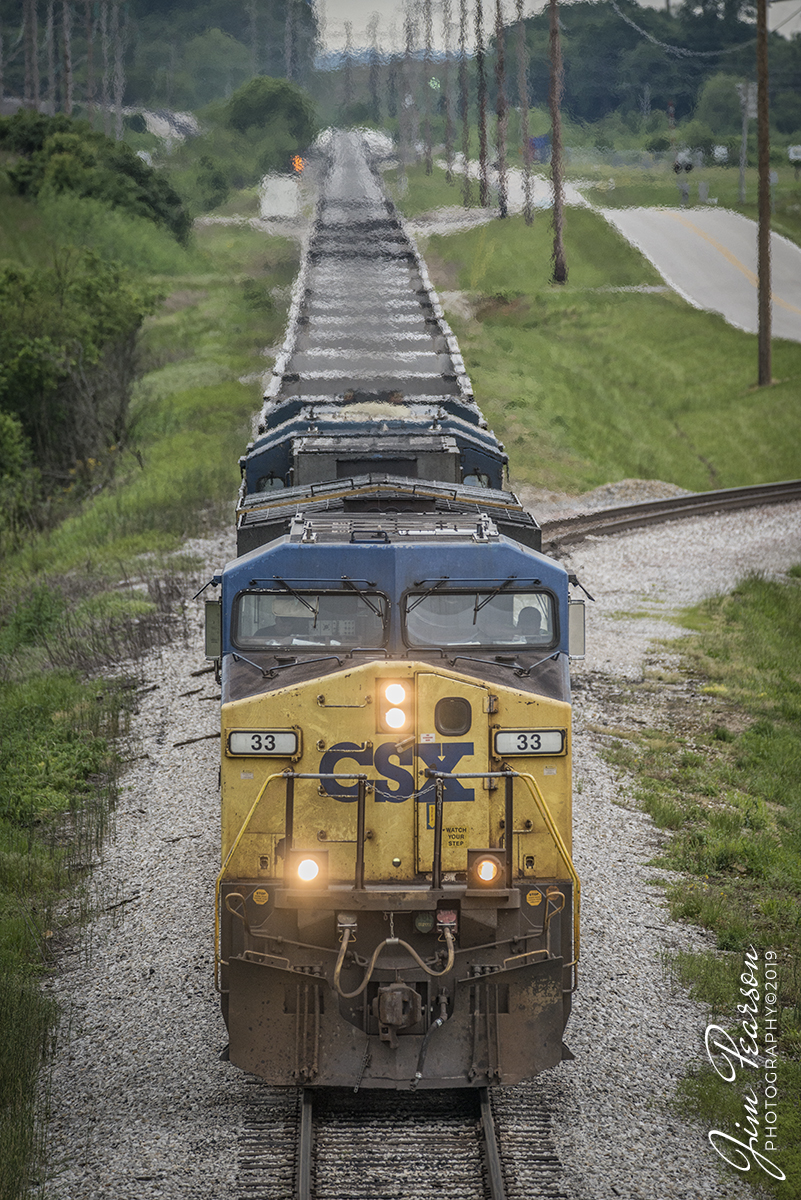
(394, 782)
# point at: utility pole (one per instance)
(748, 105)
(500, 80)
(763, 237)
(555, 97)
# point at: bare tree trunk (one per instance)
(2, 62)
(30, 52)
(557, 84)
(464, 95)
(501, 111)
(763, 237)
(66, 45)
(522, 93)
(250, 7)
(37, 96)
(375, 69)
(348, 80)
(120, 34)
(50, 42)
(405, 126)
(66, 42)
(429, 36)
(90, 60)
(288, 38)
(447, 78)
(483, 184)
(104, 40)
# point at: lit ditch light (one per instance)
(308, 869)
(485, 869)
(395, 709)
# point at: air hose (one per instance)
(435, 1025)
(390, 941)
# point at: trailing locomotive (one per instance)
(397, 905)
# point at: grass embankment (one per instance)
(610, 186)
(586, 384)
(627, 187)
(104, 585)
(724, 777)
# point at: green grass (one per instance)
(177, 474)
(103, 586)
(585, 385)
(422, 193)
(626, 187)
(724, 777)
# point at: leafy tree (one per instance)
(58, 154)
(67, 340)
(264, 102)
(719, 104)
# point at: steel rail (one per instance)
(495, 1180)
(305, 1145)
(570, 530)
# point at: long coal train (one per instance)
(397, 906)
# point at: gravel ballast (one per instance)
(142, 1104)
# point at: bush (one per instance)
(60, 155)
(267, 103)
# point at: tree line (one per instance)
(97, 56)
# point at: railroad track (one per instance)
(632, 516)
(337, 1145)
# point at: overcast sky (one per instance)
(334, 13)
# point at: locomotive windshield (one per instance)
(264, 619)
(490, 618)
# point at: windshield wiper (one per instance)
(499, 588)
(349, 583)
(298, 596)
(517, 667)
(427, 592)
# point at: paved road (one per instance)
(709, 256)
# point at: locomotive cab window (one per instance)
(308, 619)
(488, 618)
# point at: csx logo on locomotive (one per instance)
(395, 783)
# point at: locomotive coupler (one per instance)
(397, 1006)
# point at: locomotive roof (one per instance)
(392, 527)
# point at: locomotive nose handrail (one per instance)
(289, 823)
(534, 788)
(439, 778)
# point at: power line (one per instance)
(679, 51)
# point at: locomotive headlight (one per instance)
(307, 869)
(395, 707)
(485, 869)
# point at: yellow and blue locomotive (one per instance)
(397, 905)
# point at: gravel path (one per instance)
(142, 1106)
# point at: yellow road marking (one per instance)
(733, 259)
